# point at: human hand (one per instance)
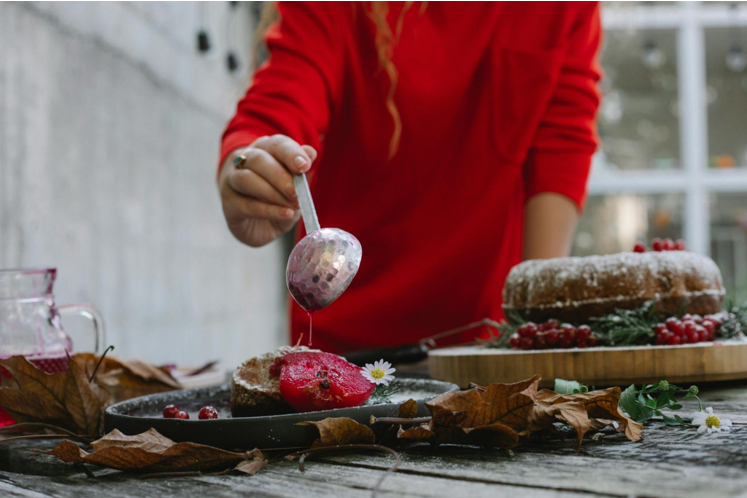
(257, 192)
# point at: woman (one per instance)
(453, 139)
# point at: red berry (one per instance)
(540, 342)
(567, 338)
(674, 326)
(552, 324)
(311, 381)
(182, 415)
(528, 329)
(668, 244)
(702, 333)
(698, 319)
(675, 340)
(207, 413)
(583, 332)
(680, 245)
(513, 341)
(170, 411)
(688, 326)
(526, 343)
(657, 244)
(659, 328)
(552, 337)
(709, 325)
(660, 339)
(712, 336)
(592, 341)
(639, 247)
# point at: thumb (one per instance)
(310, 151)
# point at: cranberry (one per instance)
(170, 411)
(680, 245)
(674, 340)
(702, 333)
(552, 324)
(660, 339)
(513, 341)
(711, 335)
(583, 332)
(660, 327)
(581, 342)
(668, 244)
(567, 338)
(526, 343)
(552, 337)
(639, 247)
(540, 342)
(657, 244)
(688, 326)
(709, 325)
(207, 413)
(674, 326)
(182, 415)
(592, 341)
(528, 329)
(698, 319)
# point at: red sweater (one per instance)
(497, 103)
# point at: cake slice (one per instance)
(255, 390)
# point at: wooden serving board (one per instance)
(600, 367)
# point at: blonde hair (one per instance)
(385, 41)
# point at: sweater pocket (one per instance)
(522, 82)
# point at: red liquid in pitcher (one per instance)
(50, 365)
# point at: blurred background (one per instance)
(110, 121)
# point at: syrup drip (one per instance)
(310, 313)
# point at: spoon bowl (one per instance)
(321, 267)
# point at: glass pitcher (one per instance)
(30, 320)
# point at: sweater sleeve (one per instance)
(293, 92)
(559, 158)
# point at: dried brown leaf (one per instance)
(31, 407)
(128, 378)
(147, 452)
(509, 404)
(408, 409)
(33, 380)
(600, 404)
(570, 412)
(84, 401)
(341, 430)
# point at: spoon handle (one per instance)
(310, 221)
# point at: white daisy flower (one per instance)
(379, 373)
(709, 422)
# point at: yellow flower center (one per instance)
(713, 421)
(378, 373)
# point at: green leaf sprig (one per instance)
(569, 387)
(648, 402)
(383, 394)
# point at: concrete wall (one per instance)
(110, 123)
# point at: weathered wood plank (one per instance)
(321, 480)
(671, 462)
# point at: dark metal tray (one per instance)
(277, 431)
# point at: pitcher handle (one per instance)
(92, 314)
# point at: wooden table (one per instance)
(670, 462)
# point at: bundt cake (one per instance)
(577, 288)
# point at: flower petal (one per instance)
(709, 410)
(702, 429)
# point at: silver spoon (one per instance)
(324, 262)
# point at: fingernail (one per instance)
(290, 190)
(288, 213)
(300, 163)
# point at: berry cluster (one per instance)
(689, 329)
(206, 413)
(659, 245)
(550, 335)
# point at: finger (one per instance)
(249, 183)
(311, 151)
(286, 151)
(274, 173)
(239, 206)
